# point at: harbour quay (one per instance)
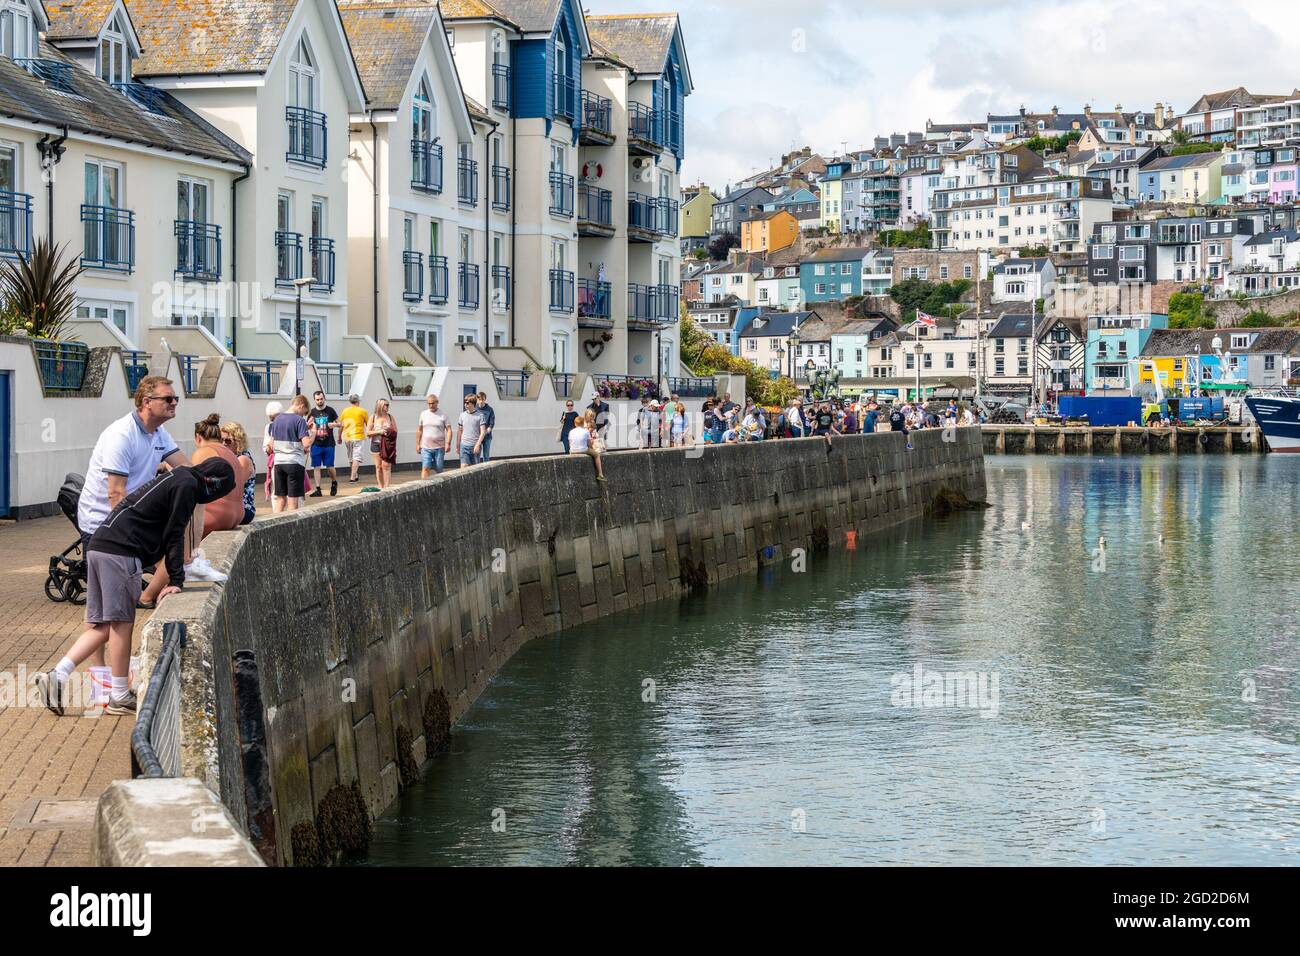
(1122, 440)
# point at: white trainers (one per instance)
(200, 570)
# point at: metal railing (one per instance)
(335, 377)
(136, 364)
(426, 166)
(109, 238)
(62, 364)
(643, 125)
(561, 194)
(439, 280)
(563, 384)
(664, 216)
(156, 736)
(561, 290)
(262, 376)
(595, 205)
(189, 373)
(692, 387)
(512, 384)
(467, 181)
(321, 251)
(640, 303)
(566, 96)
(666, 303)
(288, 258)
(54, 73)
(596, 114)
(594, 299)
(500, 188)
(500, 288)
(15, 224)
(673, 131)
(500, 86)
(640, 212)
(412, 276)
(307, 142)
(198, 250)
(468, 280)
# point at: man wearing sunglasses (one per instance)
(128, 453)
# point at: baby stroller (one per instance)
(67, 580)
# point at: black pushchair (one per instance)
(67, 580)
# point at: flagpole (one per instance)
(916, 329)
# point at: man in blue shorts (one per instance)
(322, 420)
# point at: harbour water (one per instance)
(1137, 703)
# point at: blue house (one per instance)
(1114, 341)
(832, 275)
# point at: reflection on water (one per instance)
(1125, 729)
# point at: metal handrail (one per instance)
(307, 141)
(426, 166)
(155, 739)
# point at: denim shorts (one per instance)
(432, 458)
(467, 456)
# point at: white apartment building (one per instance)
(1056, 212)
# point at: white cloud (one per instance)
(771, 74)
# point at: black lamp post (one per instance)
(299, 345)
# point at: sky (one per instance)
(772, 75)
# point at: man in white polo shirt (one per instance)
(128, 453)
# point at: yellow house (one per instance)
(769, 233)
(831, 196)
(1172, 372)
(697, 213)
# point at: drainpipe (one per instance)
(234, 256)
(487, 237)
(374, 213)
(514, 216)
(51, 152)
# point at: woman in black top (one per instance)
(568, 422)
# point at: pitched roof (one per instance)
(208, 36)
(1037, 264)
(77, 19)
(94, 106)
(1010, 327)
(1237, 97)
(386, 42)
(642, 41)
(839, 254)
(1266, 238)
(470, 10)
(531, 16)
(1173, 342)
(1182, 162)
(775, 324)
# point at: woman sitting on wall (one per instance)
(584, 441)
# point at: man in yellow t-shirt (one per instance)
(354, 419)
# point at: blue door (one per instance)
(6, 437)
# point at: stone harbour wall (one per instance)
(351, 637)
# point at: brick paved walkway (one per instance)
(52, 769)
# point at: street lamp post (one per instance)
(794, 349)
(299, 345)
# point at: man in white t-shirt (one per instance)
(128, 452)
(433, 438)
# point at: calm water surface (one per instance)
(1120, 736)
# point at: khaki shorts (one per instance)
(113, 586)
(357, 449)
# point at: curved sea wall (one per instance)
(350, 637)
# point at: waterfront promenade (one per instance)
(53, 769)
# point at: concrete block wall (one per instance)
(314, 665)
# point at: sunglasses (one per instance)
(169, 399)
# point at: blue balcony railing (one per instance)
(109, 238)
(62, 364)
(673, 131)
(665, 213)
(136, 364)
(54, 73)
(321, 251)
(594, 299)
(563, 384)
(643, 125)
(468, 281)
(189, 373)
(198, 250)
(500, 87)
(412, 276)
(500, 188)
(561, 194)
(512, 384)
(500, 288)
(306, 136)
(640, 212)
(597, 114)
(566, 97)
(335, 377)
(665, 303)
(467, 181)
(595, 206)
(262, 376)
(692, 387)
(15, 224)
(640, 303)
(561, 291)
(439, 281)
(288, 258)
(426, 166)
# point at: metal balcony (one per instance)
(109, 235)
(307, 143)
(426, 166)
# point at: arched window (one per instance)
(114, 62)
(302, 76)
(17, 35)
(498, 49)
(424, 115)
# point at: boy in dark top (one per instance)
(146, 527)
(823, 420)
(897, 420)
(322, 420)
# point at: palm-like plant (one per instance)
(38, 290)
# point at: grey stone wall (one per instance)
(326, 658)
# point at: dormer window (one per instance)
(17, 36)
(302, 77)
(114, 60)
